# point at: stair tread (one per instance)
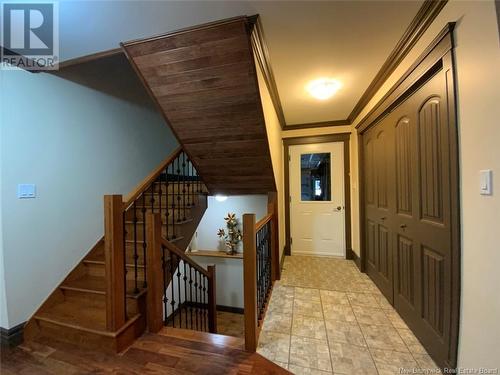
(94, 284)
(92, 316)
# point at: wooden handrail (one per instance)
(144, 184)
(263, 221)
(180, 254)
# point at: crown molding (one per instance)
(419, 24)
(262, 55)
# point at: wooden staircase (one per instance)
(76, 312)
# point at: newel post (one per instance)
(250, 282)
(212, 300)
(154, 276)
(114, 262)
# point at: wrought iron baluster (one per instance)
(196, 311)
(191, 294)
(185, 297)
(136, 254)
(190, 183)
(184, 186)
(179, 290)
(165, 298)
(167, 208)
(178, 197)
(144, 209)
(172, 302)
(205, 307)
(125, 262)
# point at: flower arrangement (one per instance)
(233, 235)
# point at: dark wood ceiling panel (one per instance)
(203, 80)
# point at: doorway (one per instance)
(317, 187)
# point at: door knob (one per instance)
(339, 208)
(383, 218)
(402, 226)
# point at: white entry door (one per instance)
(317, 214)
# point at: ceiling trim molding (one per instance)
(320, 124)
(419, 24)
(91, 57)
(262, 55)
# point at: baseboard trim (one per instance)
(231, 309)
(12, 336)
(282, 260)
(353, 256)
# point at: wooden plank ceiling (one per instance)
(203, 80)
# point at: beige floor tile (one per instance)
(282, 305)
(307, 308)
(277, 322)
(383, 302)
(395, 319)
(370, 315)
(383, 337)
(363, 299)
(341, 313)
(389, 362)
(411, 341)
(334, 297)
(298, 370)
(308, 326)
(426, 364)
(307, 294)
(344, 332)
(310, 353)
(274, 346)
(351, 359)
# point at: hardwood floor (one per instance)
(171, 351)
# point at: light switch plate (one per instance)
(26, 191)
(485, 181)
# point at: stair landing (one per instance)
(171, 351)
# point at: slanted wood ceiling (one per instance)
(204, 81)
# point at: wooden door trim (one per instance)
(293, 141)
(437, 57)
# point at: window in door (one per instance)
(315, 177)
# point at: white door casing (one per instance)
(317, 226)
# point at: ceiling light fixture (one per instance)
(220, 198)
(323, 88)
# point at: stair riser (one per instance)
(99, 300)
(99, 270)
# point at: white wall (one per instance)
(229, 279)
(206, 235)
(477, 56)
(76, 144)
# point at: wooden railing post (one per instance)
(114, 262)
(212, 300)
(154, 265)
(272, 207)
(250, 282)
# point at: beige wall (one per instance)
(276, 147)
(477, 56)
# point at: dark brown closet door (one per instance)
(379, 199)
(407, 165)
(422, 283)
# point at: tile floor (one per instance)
(326, 317)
